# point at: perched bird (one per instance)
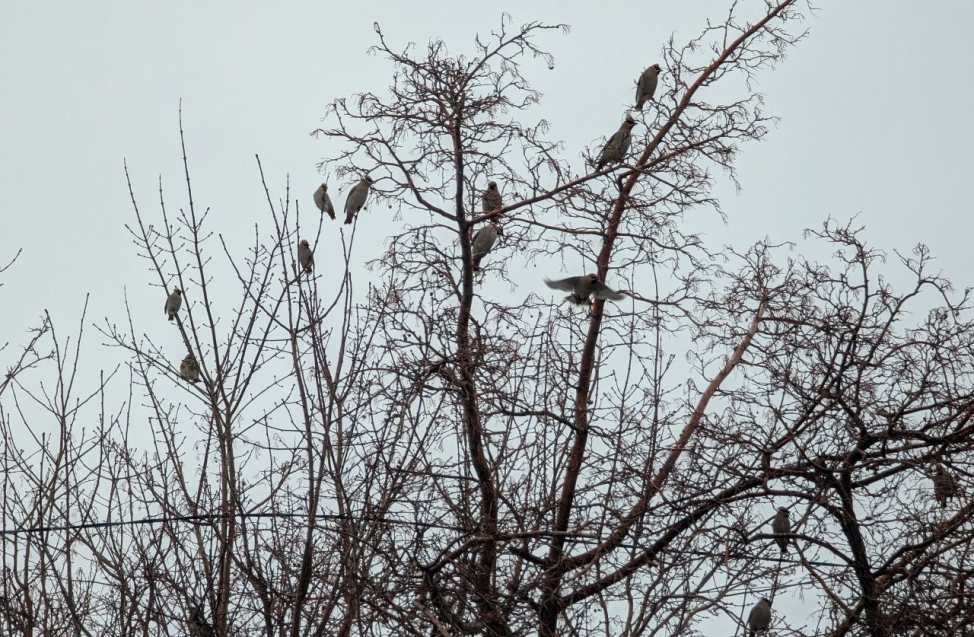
(198, 626)
(944, 485)
(646, 86)
(323, 201)
(173, 303)
(484, 240)
(582, 287)
(189, 370)
(618, 145)
(356, 198)
(781, 525)
(492, 198)
(305, 256)
(760, 617)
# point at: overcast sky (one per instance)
(875, 111)
(876, 119)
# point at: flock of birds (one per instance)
(582, 291)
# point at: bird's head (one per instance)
(657, 67)
(369, 180)
(324, 187)
(782, 510)
(177, 291)
(630, 122)
(766, 600)
(492, 185)
(304, 242)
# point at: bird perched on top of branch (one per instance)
(646, 86)
(760, 617)
(306, 257)
(492, 198)
(323, 201)
(173, 303)
(483, 241)
(618, 145)
(189, 370)
(944, 485)
(781, 525)
(356, 198)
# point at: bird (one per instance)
(484, 240)
(618, 145)
(323, 201)
(760, 617)
(781, 525)
(305, 256)
(189, 370)
(492, 198)
(356, 198)
(198, 626)
(944, 485)
(173, 303)
(646, 86)
(582, 287)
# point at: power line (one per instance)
(340, 518)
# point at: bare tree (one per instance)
(434, 453)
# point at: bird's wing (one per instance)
(484, 240)
(351, 201)
(356, 198)
(651, 85)
(624, 143)
(603, 291)
(750, 616)
(568, 285)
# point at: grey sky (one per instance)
(875, 118)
